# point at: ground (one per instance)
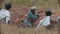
(19, 12)
(15, 25)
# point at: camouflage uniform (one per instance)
(29, 20)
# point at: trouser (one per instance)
(27, 22)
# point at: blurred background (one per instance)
(18, 11)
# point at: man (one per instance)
(45, 21)
(31, 17)
(4, 13)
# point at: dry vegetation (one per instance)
(19, 11)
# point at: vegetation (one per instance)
(18, 8)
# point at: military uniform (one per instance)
(30, 18)
(4, 13)
(45, 21)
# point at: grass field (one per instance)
(7, 29)
(21, 7)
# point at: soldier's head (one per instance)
(48, 12)
(33, 8)
(8, 6)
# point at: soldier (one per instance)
(31, 17)
(45, 21)
(5, 14)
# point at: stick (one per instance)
(40, 24)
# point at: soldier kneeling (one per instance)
(4, 13)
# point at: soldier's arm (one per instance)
(7, 19)
(33, 16)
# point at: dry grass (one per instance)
(25, 5)
(9, 29)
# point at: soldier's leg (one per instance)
(27, 22)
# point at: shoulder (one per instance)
(29, 12)
(2, 9)
(6, 11)
(48, 16)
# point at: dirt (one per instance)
(19, 12)
(18, 15)
(15, 25)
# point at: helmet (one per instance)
(48, 12)
(33, 7)
(7, 6)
